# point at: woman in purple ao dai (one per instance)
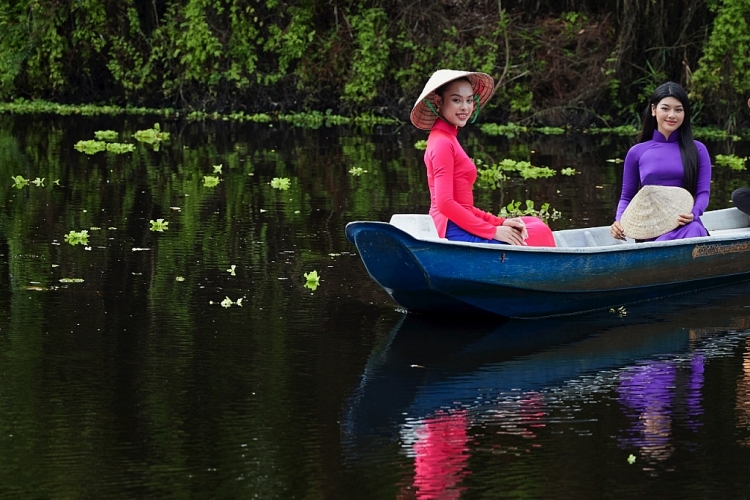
(667, 155)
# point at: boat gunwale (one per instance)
(615, 247)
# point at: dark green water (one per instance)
(123, 376)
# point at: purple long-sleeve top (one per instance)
(658, 162)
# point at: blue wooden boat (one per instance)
(587, 270)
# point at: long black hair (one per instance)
(688, 150)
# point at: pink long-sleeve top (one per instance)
(658, 162)
(451, 175)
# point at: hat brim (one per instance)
(424, 118)
(654, 210)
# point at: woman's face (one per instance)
(669, 115)
(457, 103)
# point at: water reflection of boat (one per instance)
(428, 367)
(587, 270)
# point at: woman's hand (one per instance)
(512, 231)
(617, 231)
(683, 219)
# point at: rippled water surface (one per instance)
(196, 363)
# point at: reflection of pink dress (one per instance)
(441, 454)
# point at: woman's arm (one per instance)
(631, 180)
(703, 186)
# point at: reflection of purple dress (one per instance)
(647, 391)
(653, 395)
(658, 162)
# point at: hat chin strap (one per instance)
(476, 110)
(429, 105)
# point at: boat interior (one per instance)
(720, 223)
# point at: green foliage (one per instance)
(724, 68)
(210, 181)
(312, 280)
(525, 169)
(494, 175)
(732, 161)
(105, 135)
(19, 182)
(514, 209)
(489, 176)
(290, 42)
(262, 61)
(152, 135)
(77, 237)
(90, 147)
(282, 183)
(713, 133)
(509, 130)
(621, 130)
(370, 60)
(159, 225)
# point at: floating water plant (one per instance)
(313, 280)
(227, 302)
(217, 168)
(282, 183)
(491, 177)
(71, 280)
(568, 171)
(120, 147)
(180, 279)
(631, 459)
(526, 169)
(210, 181)
(421, 144)
(90, 147)
(19, 182)
(152, 135)
(357, 171)
(732, 161)
(495, 174)
(77, 237)
(105, 135)
(159, 225)
(513, 209)
(231, 270)
(620, 311)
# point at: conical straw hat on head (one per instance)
(653, 211)
(423, 115)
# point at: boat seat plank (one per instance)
(727, 218)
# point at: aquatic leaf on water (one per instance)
(159, 225)
(282, 183)
(210, 181)
(77, 237)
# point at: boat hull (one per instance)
(525, 282)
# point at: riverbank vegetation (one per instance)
(578, 63)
